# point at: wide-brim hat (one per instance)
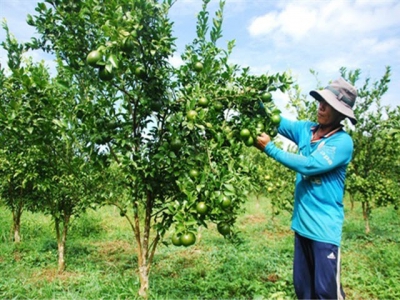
(341, 95)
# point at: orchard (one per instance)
(171, 148)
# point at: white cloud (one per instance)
(176, 61)
(264, 24)
(331, 65)
(297, 19)
(379, 47)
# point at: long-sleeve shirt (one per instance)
(321, 170)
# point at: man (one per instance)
(324, 151)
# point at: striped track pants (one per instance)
(316, 270)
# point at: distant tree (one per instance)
(372, 174)
(42, 161)
(21, 116)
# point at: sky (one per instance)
(274, 36)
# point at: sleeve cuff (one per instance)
(269, 147)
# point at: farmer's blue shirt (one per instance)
(321, 170)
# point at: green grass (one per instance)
(101, 261)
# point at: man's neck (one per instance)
(325, 129)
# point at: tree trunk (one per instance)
(17, 224)
(61, 242)
(61, 256)
(144, 280)
(351, 203)
(144, 267)
(365, 209)
(145, 249)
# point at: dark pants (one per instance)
(316, 270)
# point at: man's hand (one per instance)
(262, 141)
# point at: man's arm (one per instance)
(291, 129)
(334, 153)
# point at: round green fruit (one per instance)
(273, 132)
(225, 202)
(187, 239)
(266, 97)
(93, 57)
(128, 46)
(198, 66)
(191, 115)
(105, 75)
(201, 208)
(176, 240)
(249, 141)
(193, 173)
(176, 144)
(140, 72)
(218, 105)
(203, 102)
(260, 127)
(245, 133)
(224, 228)
(276, 119)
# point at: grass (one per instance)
(101, 262)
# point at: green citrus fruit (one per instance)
(175, 239)
(276, 119)
(105, 75)
(201, 208)
(193, 173)
(266, 97)
(128, 46)
(93, 57)
(260, 127)
(218, 105)
(187, 239)
(224, 228)
(273, 132)
(198, 66)
(249, 141)
(245, 133)
(191, 115)
(225, 202)
(203, 102)
(176, 144)
(140, 72)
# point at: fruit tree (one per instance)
(42, 164)
(171, 134)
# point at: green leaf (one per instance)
(113, 61)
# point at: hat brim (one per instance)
(339, 106)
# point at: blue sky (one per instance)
(276, 36)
